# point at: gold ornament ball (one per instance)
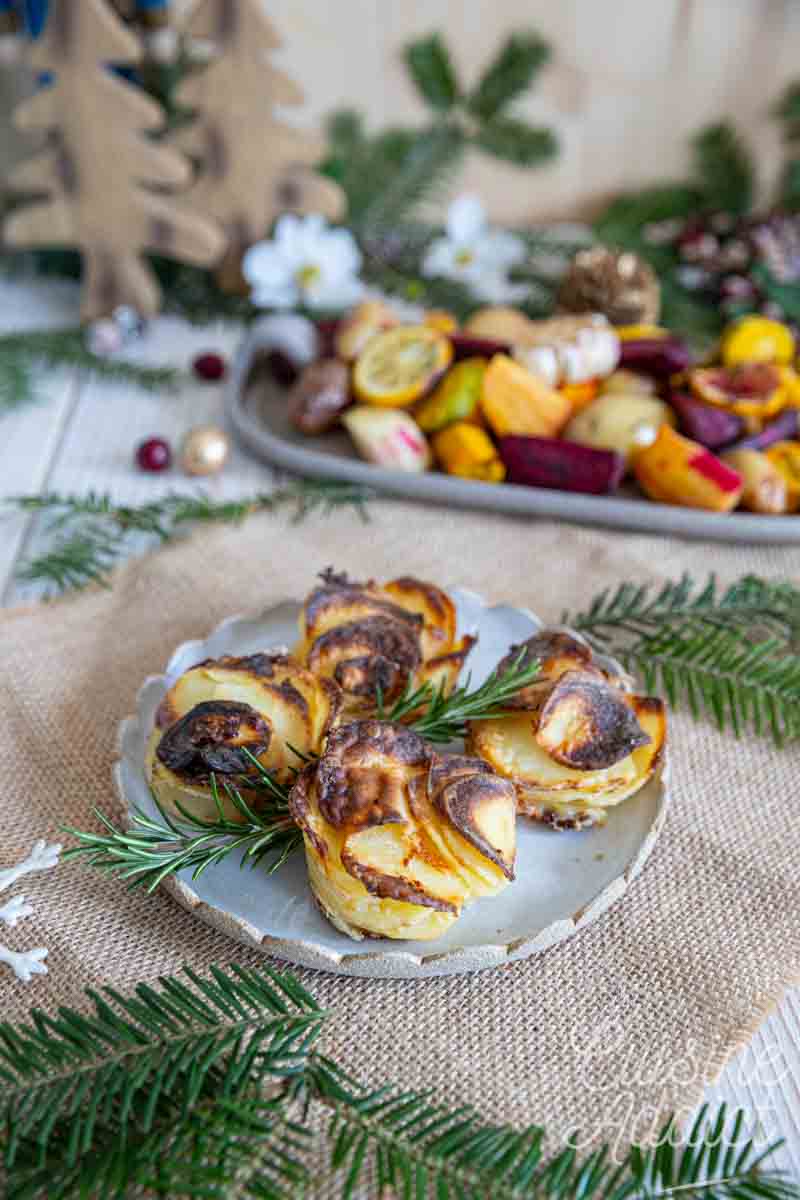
(205, 450)
(617, 283)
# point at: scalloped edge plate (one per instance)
(564, 880)
(258, 418)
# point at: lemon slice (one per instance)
(399, 366)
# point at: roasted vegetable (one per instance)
(389, 439)
(706, 423)
(785, 427)
(319, 396)
(398, 838)
(456, 398)
(626, 381)
(580, 395)
(764, 488)
(639, 333)
(785, 456)
(499, 324)
(264, 703)
(439, 318)
(374, 641)
(553, 463)
(620, 421)
(576, 742)
(676, 470)
(568, 349)
(467, 450)
(400, 366)
(468, 345)
(658, 356)
(361, 324)
(514, 401)
(754, 339)
(754, 392)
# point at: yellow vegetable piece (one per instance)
(632, 333)
(398, 366)
(515, 401)
(676, 470)
(580, 395)
(468, 451)
(786, 457)
(439, 318)
(499, 323)
(456, 398)
(757, 340)
(765, 487)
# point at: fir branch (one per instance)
(731, 653)
(92, 531)
(203, 1086)
(154, 847)
(723, 168)
(431, 68)
(516, 141)
(21, 353)
(510, 73)
(442, 717)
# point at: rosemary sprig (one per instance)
(440, 717)
(728, 653)
(154, 847)
(22, 352)
(207, 1085)
(91, 532)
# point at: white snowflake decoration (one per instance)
(25, 963)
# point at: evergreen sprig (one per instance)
(204, 1086)
(442, 716)
(21, 353)
(92, 532)
(154, 847)
(730, 653)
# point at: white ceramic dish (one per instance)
(564, 880)
(256, 408)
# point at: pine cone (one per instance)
(619, 284)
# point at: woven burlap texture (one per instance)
(611, 1028)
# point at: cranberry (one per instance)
(154, 454)
(210, 367)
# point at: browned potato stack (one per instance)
(262, 703)
(372, 638)
(398, 837)
(578, 741)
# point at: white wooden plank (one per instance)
(29, 436)
(109, 421)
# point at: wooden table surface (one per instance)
(81, 435)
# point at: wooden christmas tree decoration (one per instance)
(99, 165)
(252, 166)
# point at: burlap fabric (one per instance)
(621, 1023)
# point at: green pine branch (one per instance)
(723, 168)
(203, 1086)
(729, 653)
(431, 68)
(91, 533)
(509, 75)
(22, 353)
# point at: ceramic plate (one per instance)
(564, 880)
(256, 408)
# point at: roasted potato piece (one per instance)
(375, 639)
(397, 837)
(619, 421)
(586, 724)
(264, 702)
(562, 796)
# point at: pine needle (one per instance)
(91, 533)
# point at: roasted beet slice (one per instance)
(704, 423)
(785, 428)
(467, 345)
(661, 357)
(552, 463)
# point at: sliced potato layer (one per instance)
(377, 639)
(266, 704)
(398, 838)
(576, 741)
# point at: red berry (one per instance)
(154, 455)
(210, 367)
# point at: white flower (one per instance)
(476, 255)
(306, 263)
